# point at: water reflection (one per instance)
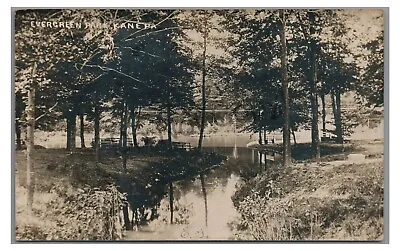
(200, 208)
(203, 189)
(197, 216)
(235, 153)
(171, 202)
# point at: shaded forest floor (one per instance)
(340, 198)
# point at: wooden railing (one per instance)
(175, 145)
(182, 145)
(115, 143)
(112, 142)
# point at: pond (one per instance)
(203, 209)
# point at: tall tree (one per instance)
(82, 129)
(286, 109)
(97, 113)
(323, 116)
(203, 83)
(160, 66)
(254, 64)
(134, 124)
(313, 87)
(199, 23)
(31, 61)
(124, 163)
(30, 144)
(19, 107)
(372, 88)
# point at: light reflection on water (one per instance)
(189, 202)
(220, 212)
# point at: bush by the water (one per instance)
(67, 213)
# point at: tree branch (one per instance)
(44, 114)
(157, 31)
(165, 19)
(96, 51)
(114, 70)
(127, 47)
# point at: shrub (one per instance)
(76, 214)
(341, 203)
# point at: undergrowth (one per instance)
(68, 213)
(313, 203)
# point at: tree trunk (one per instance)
(286, 110)
(294, 136)
(121, 129)
(259, 129)
(71, 132)
(125, 211)
(134, 127)
(203, 189)
(18, 133)
(203, 87)
(125, 128)
(323, 113)
(333, 103)
(97, 131)
(315, 144)
(30, 121)
(338, 120)
(124, 152)
(135, 217)
(265, 135)
(82, 132)
(125, 207)
(171, 202)
(18, 116)
(169, 126)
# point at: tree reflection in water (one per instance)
(203, 189)
(202, 205)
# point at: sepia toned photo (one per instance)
(199, 125)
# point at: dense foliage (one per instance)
(76, 214)
(159, 68)
(313, 203)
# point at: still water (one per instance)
(204, 210)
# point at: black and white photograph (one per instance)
(180, 125)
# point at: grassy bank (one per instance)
(336, 200)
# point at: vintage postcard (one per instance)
(199, 125)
